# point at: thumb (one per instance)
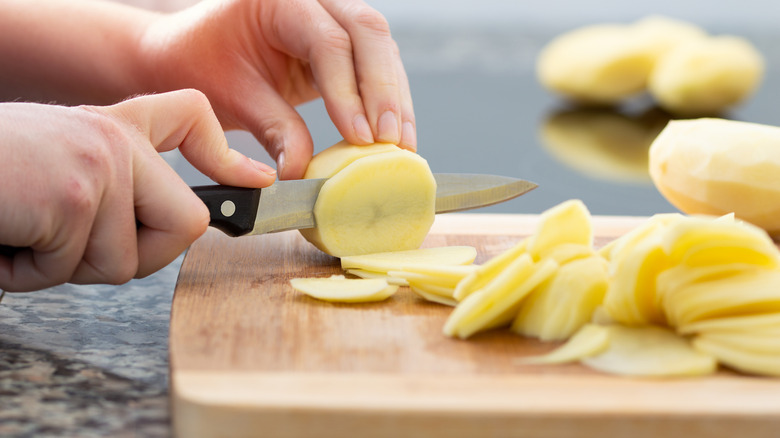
(197, 134)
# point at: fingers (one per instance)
(184, 119)
(383, 83)
(356, 66)
(171, 214)
(281, 129)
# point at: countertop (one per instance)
(93, 360)
(87, 360)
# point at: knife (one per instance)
(288, 205)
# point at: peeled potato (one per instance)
(596, 64)
(380, 198)
(337, 288)
(607, 63)
(663, 34)
(716, 166)
(706, 75)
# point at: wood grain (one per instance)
(252, 357)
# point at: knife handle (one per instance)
(233, 209)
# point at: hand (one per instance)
(76, 179)
(256, 60)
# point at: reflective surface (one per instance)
(480, 109)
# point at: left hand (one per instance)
(257, 59)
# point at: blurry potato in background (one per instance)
(688, 72)
(607, 63)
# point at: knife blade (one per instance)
(288, 205)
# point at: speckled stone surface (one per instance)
(87, 361)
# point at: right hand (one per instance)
(76, 180)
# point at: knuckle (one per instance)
(121, 273)
(336, 38)
(369, 18)
(78, 197)
(194, 98)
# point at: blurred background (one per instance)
(480, 108)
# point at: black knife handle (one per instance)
(233, 209)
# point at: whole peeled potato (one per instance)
(717, 166)
(607, 63)
(707, 75)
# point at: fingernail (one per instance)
(388, 128)
(409, 136)
(362, 128)
(262, 167)
(280, 162)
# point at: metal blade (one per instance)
(288, 205)
(462, 191)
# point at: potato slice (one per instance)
(425, 291)
(337, 288)
(631, 296)
(333, 159)
(397, 260)
(761, 323)
(362, 273)
(704, 241)
(747, 293)
(706, 75)
(486, 272)
(566, 223)
(740, 358)
(564, 302)
(650, 351)
(588, 341)
(717, 166)
(497, 303)
(767, 344)
(441, 275)
(375, 203)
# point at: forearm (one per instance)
(70, 51)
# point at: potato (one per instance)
(498, 302)
(590, 340)
(716, 166)
(607, 63)
(378, 198)
(564, 302)
(337, 288)
(705, 76)
(600, 64)
(398, 260)
(650, 351)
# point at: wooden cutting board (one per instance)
(252, 357)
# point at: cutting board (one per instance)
(249, 357)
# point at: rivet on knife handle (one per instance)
(232, 209)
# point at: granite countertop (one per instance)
(87, 360)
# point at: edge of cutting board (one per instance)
(216, 403)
